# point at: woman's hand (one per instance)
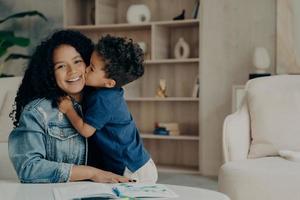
(65, 104)
(82, 172)
(108, 177)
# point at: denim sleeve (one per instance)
(27, 151)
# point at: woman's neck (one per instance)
(77, 97)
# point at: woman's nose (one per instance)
(72, 68)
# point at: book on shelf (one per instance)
(87, 190)
(171, 127)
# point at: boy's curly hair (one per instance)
(39, 80)
(123, 59)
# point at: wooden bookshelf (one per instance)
(96, 18)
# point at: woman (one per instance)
(44, 147)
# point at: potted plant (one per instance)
(9, 39)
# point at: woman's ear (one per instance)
(110, 83)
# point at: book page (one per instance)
(139, 190)
(83, 190)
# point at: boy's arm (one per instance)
(83, 128)
(66, 107)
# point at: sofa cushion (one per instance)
(7, 172)
(274, 107)
(260, 179)
(6, 124)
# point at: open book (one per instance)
(112, 191)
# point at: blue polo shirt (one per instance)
(116, 143)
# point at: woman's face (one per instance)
(69, 69)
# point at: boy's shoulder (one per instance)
(106, 98)
(107, 95)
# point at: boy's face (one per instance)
(95, 75)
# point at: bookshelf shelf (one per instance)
(118, 27)
(169, 137)
(186, 99)
(178, 23)
(96, 18)
(172, 61)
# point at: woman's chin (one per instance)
(74, 89)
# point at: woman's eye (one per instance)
(60, 66)
(92, 69)
(78, 61)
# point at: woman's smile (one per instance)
(69, 70)
(75, 79)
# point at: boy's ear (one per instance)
(110, 83)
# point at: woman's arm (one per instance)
(81, 172)
(27, 150)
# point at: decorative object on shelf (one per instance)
(171, 127)
(182, 49)
(195, 92)
(138, 13)
(162, 89)
(261, 61)
(143, 46)
(92, 14)
(195, 12)
(181, 16)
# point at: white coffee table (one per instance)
(15, 191)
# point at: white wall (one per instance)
(230, 30)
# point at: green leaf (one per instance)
(24, 14)
(3, 42)
(6, 44)
(15, 56)
(2, 51)
(10, 40)
(6, 33)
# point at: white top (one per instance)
(16, 191)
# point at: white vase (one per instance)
(138, 13)
(182, 49)
(261, 60)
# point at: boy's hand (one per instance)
(65, 104)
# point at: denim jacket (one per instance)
(44, 146)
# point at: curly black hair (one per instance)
(123, 59)
(39, 80)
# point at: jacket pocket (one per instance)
(60, 133)
(63, 144)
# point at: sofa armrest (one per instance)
(236, 135)
(7, 171)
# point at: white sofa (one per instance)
(267, 122)
(8, 89)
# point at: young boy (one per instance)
(107, 121)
